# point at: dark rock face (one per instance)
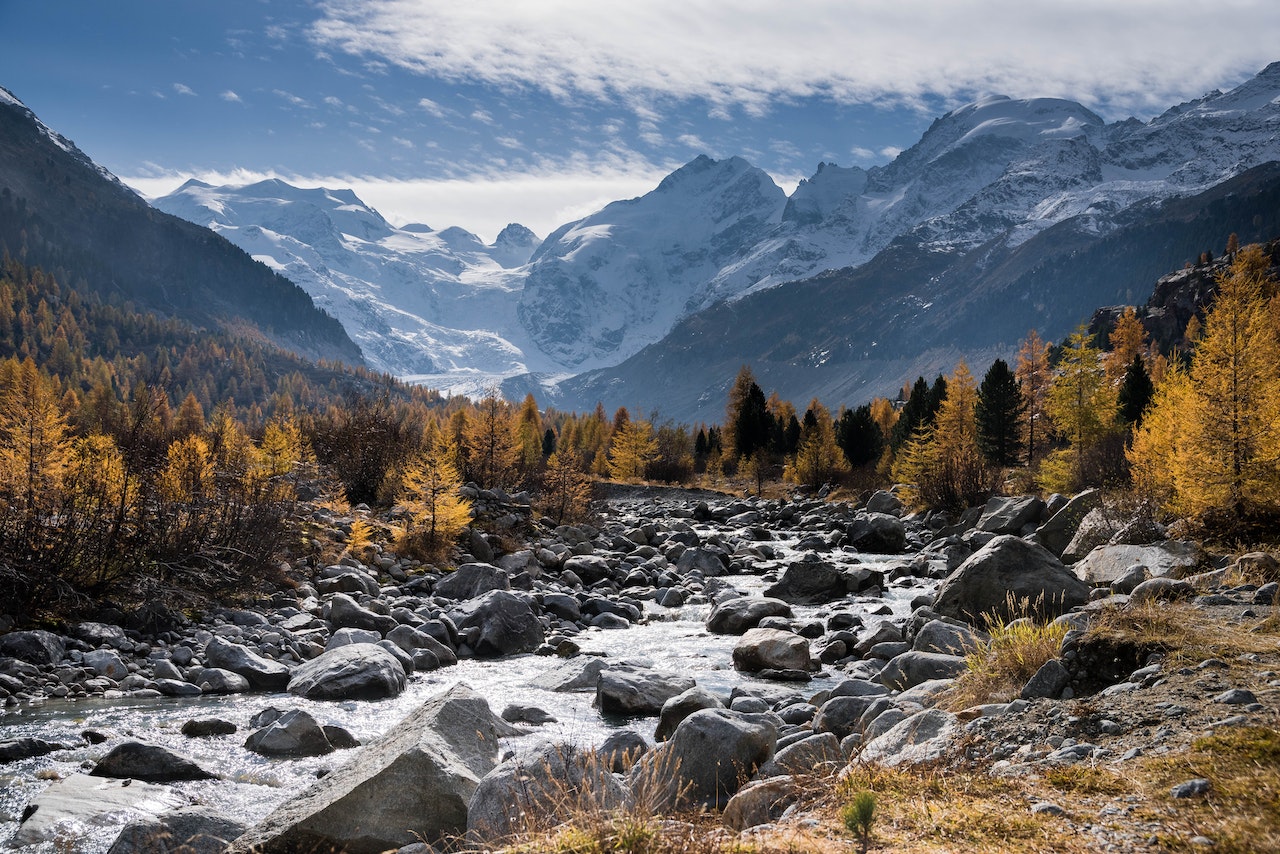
(809, 582)
(147, 762)
(1009, 567)
(33, 647)
(294, 733)
(504, 623)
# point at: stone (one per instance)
(106, 662)
(840, 716)
(1009, 515)
(914, 668)
(883, 501)
(571, 676)
(922, 737)
(710, 755)
(759, 802)
(622, 748)
(1236, 697)
(506, 624)
(261, 673)
(412, 785)
(71, 811)
(1191, 788)
(771, 649)
(413, 640)
(521, 713)
(347, 636)
(360, 671)
(710, 562)
(1056, 533)
(206, 727)
(15, 749)
(177, 688)
(34, 647)
(294, 733)
(1008, 568)
(878, 533)
(1093, 530)
(102, 634)
(549, 784)
(680, 707)
(809, 581)
(345, 612)
(215, 680)
(472, 580)
(190, 830)
(1048, 681)
(1171, 559)
(139, 761)
(941, 636)
(735, 616)
(1129, 579)
(805, 756)
(1161, 589)
(632, 690)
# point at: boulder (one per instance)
(34, 647)
(1168, 559)
(710, 562)
(771, 649)
(809, 581)
(294, 733)
(1097, 526)
(710, 755)
(345, 612)
(735, 616)
(412, 785)
(348, 636)
(69, 815)
(1161, 589)
(883, 501)
(15, 749)
(207, 727)
(1048, 681)
(940, 636)
(506, 624)
(622, 748)
(190, 830)
(580, 675)
(102, 634)
(914, 668)
(806, 755)
(106, 662)
(1009, 515)
(632, 690)
(139, 761)
(1056, 534)
(589, 568)
(358, 671)
(413, 640)
(839, 716)
(215, 680)
(680, 707)
(760, 802)
(471, 580)
(549, 784)
(878, 533)
(261, 673)
(923, 737)
(1006, 576)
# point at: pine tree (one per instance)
(1136, 391)
(633, 448)
(748, 424)
(430, 491)
(819, 459)
(913, 416)
(529, 435)
(998, 414)
(859, 436)
(491, 443)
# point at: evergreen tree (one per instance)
(548, 442)
(913, 416)
(998, 414)
(1034, 380)
(819, 459)
(859, 436)
(1136, 391)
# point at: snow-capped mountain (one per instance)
(995, 173)
(438, 304)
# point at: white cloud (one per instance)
(231, 97)
(296, 100)
(691, 140)
(401, 141)
(334, 101)
(483, 116)
(862, 153)
(432, 107)
(890, 151)
(1136, 56)
(183, 89)
(542, 199)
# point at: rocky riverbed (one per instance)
(698, 641)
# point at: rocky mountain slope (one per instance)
(61, 211)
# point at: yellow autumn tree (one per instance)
(633, 447)
(1225, 452)
(188, 476)
(491, 443)
(430, 491)
(818, 459)
(1081, 404)
(566, 490)
(35, 441)
(942, 466)
(1128, 340)
(1033, 377)
(529, 435)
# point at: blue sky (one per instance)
(477, 113)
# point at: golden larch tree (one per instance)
(633, 447)
(943, 466)
(1033, 376)
(818, 459)
(430, 491)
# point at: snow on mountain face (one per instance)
(8, 99)
(439, 304)
(600, 289)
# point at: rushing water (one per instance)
(671, 640)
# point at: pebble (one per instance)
(1191, 788)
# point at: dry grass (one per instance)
(999, 668)
(1185, 633)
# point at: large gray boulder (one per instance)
(346, 612)
(504, 624)
(879, 533)
(262, 674)
(549, 784)
(680, 707)
(760, 802)
(471, 580)
(924, 737)
(1056, 534)
(191, 830)
(1168, 559)
(139, 761)
(1095, 529)
(582, 674)
(632, 690)
(106, 662)
(70, 813)
(413, 784)
(358, 671)
(771, 649)
(293, 733)
(1007, 576)
(712, 753)
(735, 616)
(940, 636)
(806, 755)
(914, 668)
(809, 581)
(1004, 515)
(840, 716)
(710, 562)
(33, 647)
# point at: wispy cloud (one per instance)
(231, 97)
(1113, 56)
(296, 100)
(184, 89)
(432, 107)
